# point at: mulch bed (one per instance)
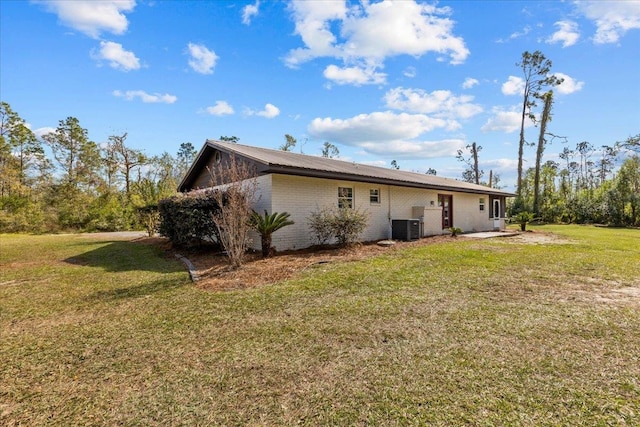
(214, 273)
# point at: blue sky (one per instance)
(409, 81)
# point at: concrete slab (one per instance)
(489, 234)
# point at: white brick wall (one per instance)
(300, 196)
(262, 201)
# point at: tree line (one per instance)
(65, 181)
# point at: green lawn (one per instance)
(465, 332)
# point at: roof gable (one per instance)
(284, 162)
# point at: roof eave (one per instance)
(288, 170)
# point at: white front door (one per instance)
(496, 214)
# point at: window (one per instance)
(345, 197)
(374, 196)
(482, 203)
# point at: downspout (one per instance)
(390, 228)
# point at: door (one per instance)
(496, 214)
(445, 201)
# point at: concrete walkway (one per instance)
(489, 234)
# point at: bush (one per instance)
(187, 219)
(345, 225)
(150, 218)
(455, 231)
(321, 225)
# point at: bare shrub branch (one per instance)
(235, 198)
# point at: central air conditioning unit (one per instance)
(405, 229)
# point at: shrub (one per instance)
(345, 225)
(149, 217)
(187, 219)
(321, 225)
(455, 231)
(348, 225)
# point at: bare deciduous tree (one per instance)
(235, 197)
(472, 173)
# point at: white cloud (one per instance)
(414, 149)
(387, 133)
(377, 127)
(371, 32)
(469, 83)
(406, 27)
(500, 164)
(526, 30)
(117, 57)
(567, 33)
(353, 75)
(312, 20)
(612, 18)
(378, 163)
(146, 97)
(93, 17)
(270, 111)
(569, 85)
(40, 132)
(221, 108)
(410, 72)
(513, 86)
(505, 121)
(440, 103)
(249, 11)
(202, 59)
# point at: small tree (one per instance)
(329, 150)
(235, 197)
(267, 225)
(233, 139)
(289, 144)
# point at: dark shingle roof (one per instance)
(278, 161)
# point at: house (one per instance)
(301, 184)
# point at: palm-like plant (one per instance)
(268, 224)
(523, 218)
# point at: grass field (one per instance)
(464, 332)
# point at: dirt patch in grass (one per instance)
(538, 238)
(603, 292)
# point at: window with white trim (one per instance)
(345, 197)
(374, 196)
(482, 203)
